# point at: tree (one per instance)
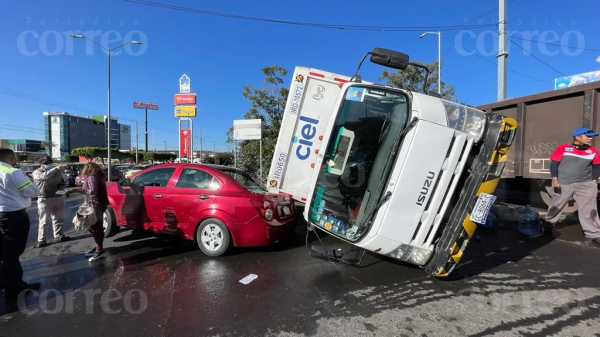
(89, 152)
(224, 158)
(148, 156)
(267, 104)
(413, 78)
(164, 156)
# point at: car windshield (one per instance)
(354, 170)
(245, 180)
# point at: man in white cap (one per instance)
(575, 169)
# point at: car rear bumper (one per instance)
(260, 232)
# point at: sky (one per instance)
(221, 54)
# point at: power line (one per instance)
(25, 127)
(42, 100)
(486, 13)
(306, 24)
(535, 57)
(11, 129)
(554, 44)
(483, 58)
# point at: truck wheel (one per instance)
(547, 192)
(109, 223)
(213, 237)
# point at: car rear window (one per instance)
(244, 180)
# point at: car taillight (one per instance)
(263, 208)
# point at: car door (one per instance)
(189, 201)
(147, 191)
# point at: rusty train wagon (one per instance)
(545, 121)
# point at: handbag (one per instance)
(85, 217)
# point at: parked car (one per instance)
(28, 169)
(136, 169)
(116, 175)
(215, 206)
(124, 168)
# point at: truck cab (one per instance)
(405, 174)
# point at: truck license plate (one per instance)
(286, 211)
(482, 208)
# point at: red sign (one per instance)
(185, 98)
(145, 105)
(185, 142)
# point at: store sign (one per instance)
(573, 80)
(185, 142)
(185, 111)
(185, 84)
(185, 99)
(247, 129)
(145, 105)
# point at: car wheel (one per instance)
(213, 237)
(109, 223)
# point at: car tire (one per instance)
(109, 223)
(212, 237)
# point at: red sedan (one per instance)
(213, 205)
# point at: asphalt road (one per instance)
(507, 284)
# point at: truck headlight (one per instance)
(465, 119)
(475, 123)
(412, 254)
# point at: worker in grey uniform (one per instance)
(51, 201)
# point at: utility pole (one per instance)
(137, 144)
(146, 130)
(502, 54)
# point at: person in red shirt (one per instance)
(575, 169)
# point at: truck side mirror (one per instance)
(389, 58)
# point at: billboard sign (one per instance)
(185, 84)
(185, 111)
(570, 81)
(247, 129)
(145, 105)
(185, 143)
(185, 99)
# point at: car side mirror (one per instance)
(126, 182)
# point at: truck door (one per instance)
(311, 101)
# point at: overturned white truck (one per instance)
(399, 173)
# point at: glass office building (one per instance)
(65, 131)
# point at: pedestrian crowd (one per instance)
(48, 186)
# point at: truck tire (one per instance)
(109, 223)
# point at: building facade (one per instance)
(65, 132)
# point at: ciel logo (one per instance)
(307, 133)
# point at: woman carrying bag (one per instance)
(94, 188)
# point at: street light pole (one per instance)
(439, 34)
(79, 36)
(108, 120)
(165, 145)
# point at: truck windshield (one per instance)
(355, 168)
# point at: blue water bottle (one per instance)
(529, 223)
